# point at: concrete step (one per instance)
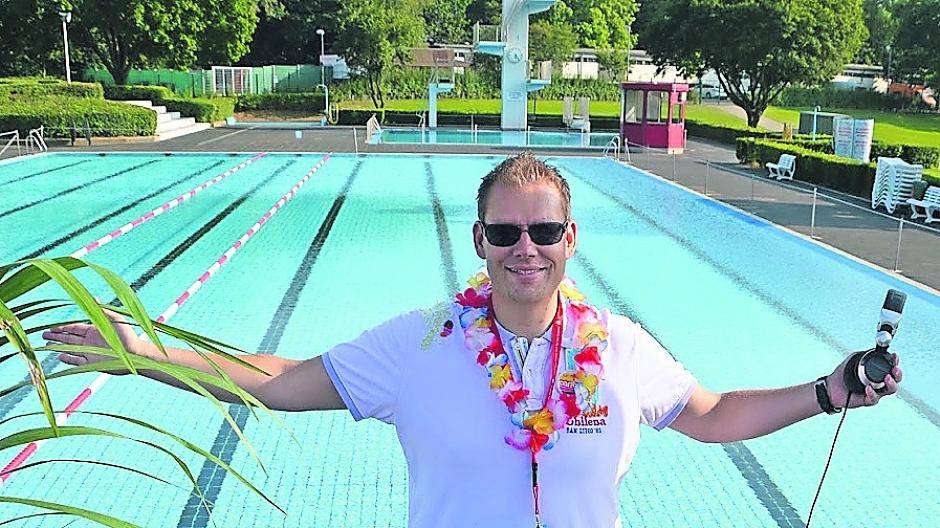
(159, 109)
(145, 104)
(174, 124)
(168, 116)
(193, 128)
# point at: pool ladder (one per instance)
(615, 146)
(34, 140)
(14, 140)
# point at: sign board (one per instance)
(852, 138)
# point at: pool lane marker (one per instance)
(165, 207)
(196, 512)
(46, 171)
(167, 314)
(51, 361)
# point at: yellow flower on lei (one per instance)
(478, 280)
(541, 422)
(588, 381)
(591, 333)
(500, 375)
(571, 292)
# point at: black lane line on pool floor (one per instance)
(211, 476)
(51, 361)
(75, 188)
(766, 490)
(95, 223)
(46, 171)
(922, 407)
(443, 237)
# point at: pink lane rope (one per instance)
(163, 208)
(171, 310)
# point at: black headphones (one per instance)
(870, 367)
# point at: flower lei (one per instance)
(577, 390)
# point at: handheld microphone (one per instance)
(870, 367)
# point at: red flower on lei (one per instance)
(536, 430)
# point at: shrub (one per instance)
(842, 174)
(40, 87)
(138, 93)
(205, 110)
(314, 102)
(58, 114)
(834, 98)
(722, 133)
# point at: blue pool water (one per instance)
(738, 301)
(494, 137)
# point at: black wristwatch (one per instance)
(822, 397)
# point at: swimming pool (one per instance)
(739, 302)
(510, 138)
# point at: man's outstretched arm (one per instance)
(287, 384)
(740, 415)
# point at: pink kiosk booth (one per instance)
(653, 115)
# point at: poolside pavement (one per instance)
(844, 222)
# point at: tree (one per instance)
(916, 47)
(127, 34)
(32, 39)
(549, 41)
(485, 11)
(446, 21)
(376, 34)
(773, 43)
(600, 24)
(882, 27)
(286, 33)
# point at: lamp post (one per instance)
(66, 18)
(322, 69)
(888, 48)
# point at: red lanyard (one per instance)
(555, 353)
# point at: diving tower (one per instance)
(511, 42)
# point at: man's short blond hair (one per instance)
(519, 171)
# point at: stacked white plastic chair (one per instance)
(894, 183)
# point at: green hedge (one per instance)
(58, 114)
(722, 133)
(138, 93)
(300, 101)
(928, 157)
(826, 170)
(830, 97)
(205, 110)
(41, 87)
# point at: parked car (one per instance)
(711, 91)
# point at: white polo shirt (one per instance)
(451, 425)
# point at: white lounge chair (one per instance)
(784, 168)
(567, 110)
(928, 207)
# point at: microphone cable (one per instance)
(832, 449)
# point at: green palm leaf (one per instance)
(99, 518)
(13, 329)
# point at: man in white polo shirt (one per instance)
(519, 403)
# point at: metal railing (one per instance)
(34, 139)
(14, 140)
(489, 33)
(615, 145)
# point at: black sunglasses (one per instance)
(541, 233)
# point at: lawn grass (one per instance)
(890, 127)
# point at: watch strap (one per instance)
(822, 397)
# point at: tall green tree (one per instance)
(757, 47)
(485, 11)
(604, 25)
(286, 32)
(882, 28)
(31, 42)
(917, 45)
(446, 21)
(377, 34)
(550, 41)
(126, 34)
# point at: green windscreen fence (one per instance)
(225, 80)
